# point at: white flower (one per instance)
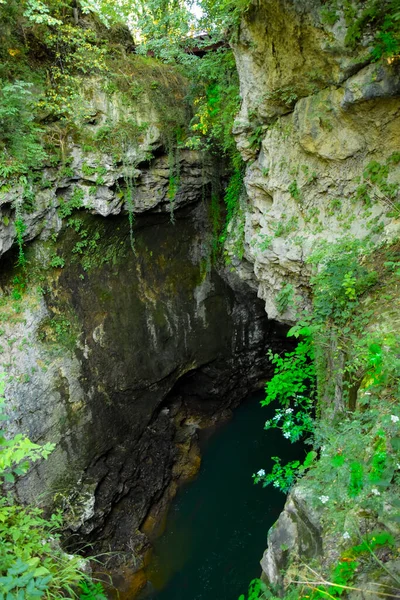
(276, 417)
(375, 492)
(398, 465)
(323, 453)
(346, 535)
(324, 499)
(276, 484)
(286, 434)
(261, 473)
(394, 418)
(289, 410)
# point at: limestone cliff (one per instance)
(317, 118)
(119, 338)
(319, 129)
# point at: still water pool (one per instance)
(217, 526)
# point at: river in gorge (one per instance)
(217, 526)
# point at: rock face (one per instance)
(319, 129)
(317, 121)
(120, 364)
(132, 340)
(118, 148)
(296, 534)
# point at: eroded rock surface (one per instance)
(316, 119)
(119, 364)
(296, 535)
(319, 129)
(121, 339)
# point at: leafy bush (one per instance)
(32, 563)
(20, 145)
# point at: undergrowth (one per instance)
(32, 562)
(345, 370)
(377, 18)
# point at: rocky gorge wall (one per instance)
(119, 338)
(319, 129)
(319, 121)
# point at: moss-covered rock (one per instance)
(129, 333)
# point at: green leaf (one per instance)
(337, 460)
(40, 571)
(311, 456)
(33, 562)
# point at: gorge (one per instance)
(134, 315)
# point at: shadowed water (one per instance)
(217, 526)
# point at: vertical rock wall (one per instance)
(119, 364)
(318, 119)
(120, 339)
(319, 129)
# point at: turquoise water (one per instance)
(217, 526)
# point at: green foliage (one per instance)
(256, 135)
(281, 476)
(70, 49)
(67, 207)
(234, 199)
(285, 96)
(341, 279)
(32, 563)
(91, 591)
(374, 540)
(284, 298)
(258, 590)
(73, 52)
(344, 274)
(233, 193)
(356, 479)
(59, 331)
(374, 186)
(20, 228)
(382, 18)
(17, 453)
(294, 377)
(38, 12)
(294, 191)
(18, 289)
(265, 242)
(293, 386)
(223, 14)
(20, 145)
(342, 575)
(285, 226)
(57, 261)
(294, 423)
(51, 90)
(329, 15)
(215, 95)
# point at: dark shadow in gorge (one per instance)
(217, 526)
(157, 342)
